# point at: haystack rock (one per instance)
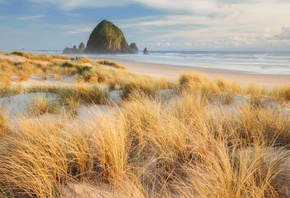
(82, 47)
(107, 38)
(134, 48)
(145, 51)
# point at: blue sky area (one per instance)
(156, 24)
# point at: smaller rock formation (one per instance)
(145, 51)
(134, 48)
(82, 47)
(68, 50)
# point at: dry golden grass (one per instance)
(118, 66)
(180, 146)
(4, 118)
(33, 56)
(227, 98)
(7, 90)
(115, 65)
(57, 77)
(86, 93)
(40, 57)
(283, 92)
(168, 151)
(82, 59)
(73, 104)
(271, 124)
(222, 84)
(22, 76)
(5, 65)
(5, 78)
(3, 52)
(43, 76)
(19, 87)
(60, 57)
(41, 105)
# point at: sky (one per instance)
(168, 25)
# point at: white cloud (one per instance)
(166, 44)
(216, 22)
(30, 17)
(79, 30)
(72, 4)
(286, 28)
(284, 34)
(211, 8)
(166, 21)
(253, 22)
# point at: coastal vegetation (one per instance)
(184, 137)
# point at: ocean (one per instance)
(252, 62)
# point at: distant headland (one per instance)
(106, 38)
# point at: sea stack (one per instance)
(134, 48)
(145, 51)
(107, 38)
(68, 50)
(82, 47)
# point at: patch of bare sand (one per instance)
(90, 190)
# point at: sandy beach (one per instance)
(175, 71)
(170, 71)
(64, 112)
(136, 98)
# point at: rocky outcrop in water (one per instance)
(68, 50)
(145, 51)
(107, 38)
(134, 48)
(82, 47)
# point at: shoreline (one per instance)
(170, 71)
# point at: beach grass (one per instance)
(176, 151)
(42, 104)
(87, 93)
(185, 137)
(4, 117)
(114, 64)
